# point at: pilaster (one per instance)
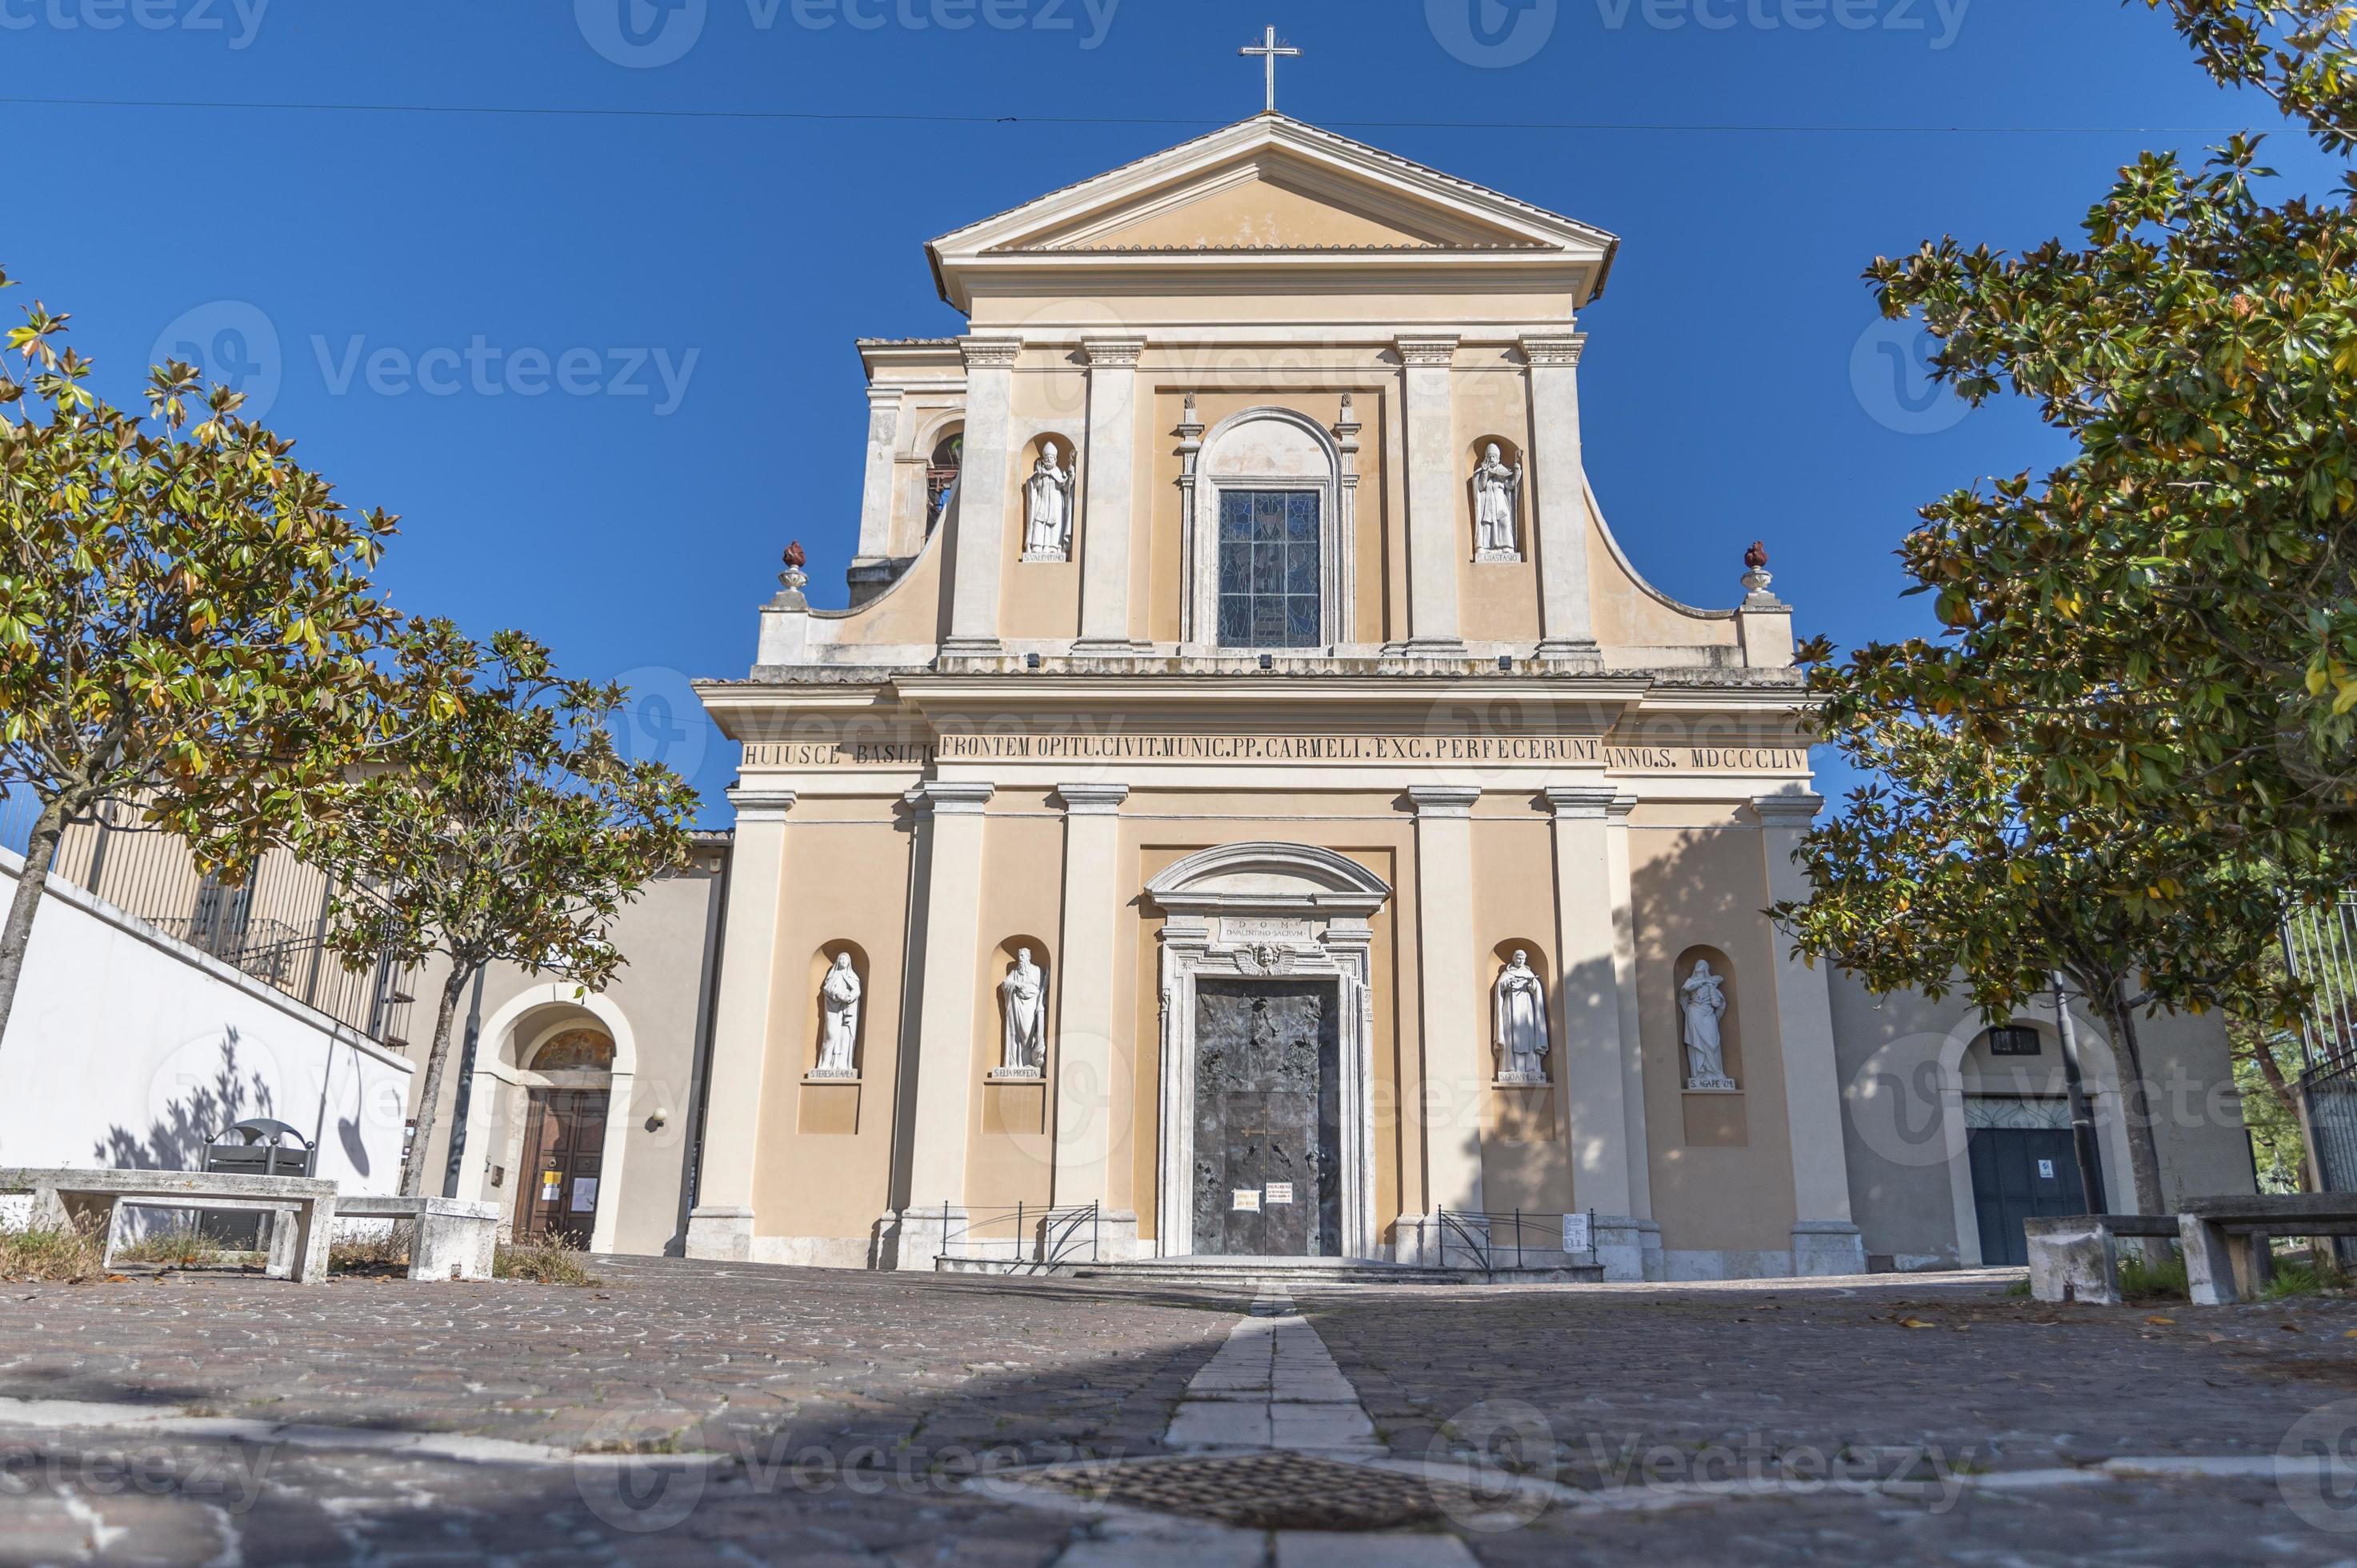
(1601, 1039)
(721, 1224)
(875, 494)
(1432, 499)
(1086, 1056)
(1456, 1031)
(1825, 1239)
(1110, 515)
(984, 485)
(1559, 483)
(950, 817)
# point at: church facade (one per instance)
(1254, 806)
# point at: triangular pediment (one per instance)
(1275, 201)
(1271, 185)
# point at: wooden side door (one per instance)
(562, 1166)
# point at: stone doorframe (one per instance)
(1266, 912)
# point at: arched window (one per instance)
(575, 1050)
(1268, 538)
(941, 477)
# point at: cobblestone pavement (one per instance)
(696, 1412)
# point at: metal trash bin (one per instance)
(257, 1146)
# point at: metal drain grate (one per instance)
(1260, 1491)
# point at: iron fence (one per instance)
(272, 926)
(1037, 1237)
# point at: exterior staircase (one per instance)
(1286, 1272)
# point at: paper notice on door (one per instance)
(1280, 1192)
(585, 1194)
(550, 1181)
(1247, 1201)
(2046, 1170)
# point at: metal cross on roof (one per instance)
(1271, 51)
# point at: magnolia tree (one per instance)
(498, 825)
(185, 616)
(2135, 746)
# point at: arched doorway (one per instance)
(552, 1093)
(1267, 1042)
(561, 1164)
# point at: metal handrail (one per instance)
(1063, 1232)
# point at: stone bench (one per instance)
(448, 1239)
(2078, 1258)
(2229, 1240)
(302, 1208)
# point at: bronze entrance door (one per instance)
(1268, 1122)
(562, 1164)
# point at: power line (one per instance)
(814, 116)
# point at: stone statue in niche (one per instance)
(1497, 508)
(838, 1003)
(1048, 497)
(1518, 1021)
(1021, 995)
(1703, 998)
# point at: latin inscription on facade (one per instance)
(1258, 749)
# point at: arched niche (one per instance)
(1730, 1023)
(1510, 453)
(1068, 458)
(814, 1020)
(1003, 959)
(1268, 450)
(1502, 957)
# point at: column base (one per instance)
(720, 1233)
(1110, 648)
(1824, 1247)
(1424, 1242)
(1427, 647)
(971, 648)
(909, 1240)
(1629, 1250)
(1116, 1238)
(1558, 650)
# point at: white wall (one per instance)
(126, 1047)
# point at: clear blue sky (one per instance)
(637, 533)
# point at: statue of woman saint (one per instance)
(1497, 496)
(1703, 998)
(1027, 1049)
(838, 1001)
(1519, 1022)
(1049, 493)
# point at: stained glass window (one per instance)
(1269, 569)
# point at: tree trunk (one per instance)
(40, 848)
(429, 1093)
(2136, 1103)
(2263, 1051)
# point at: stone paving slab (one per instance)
(689, 1413)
